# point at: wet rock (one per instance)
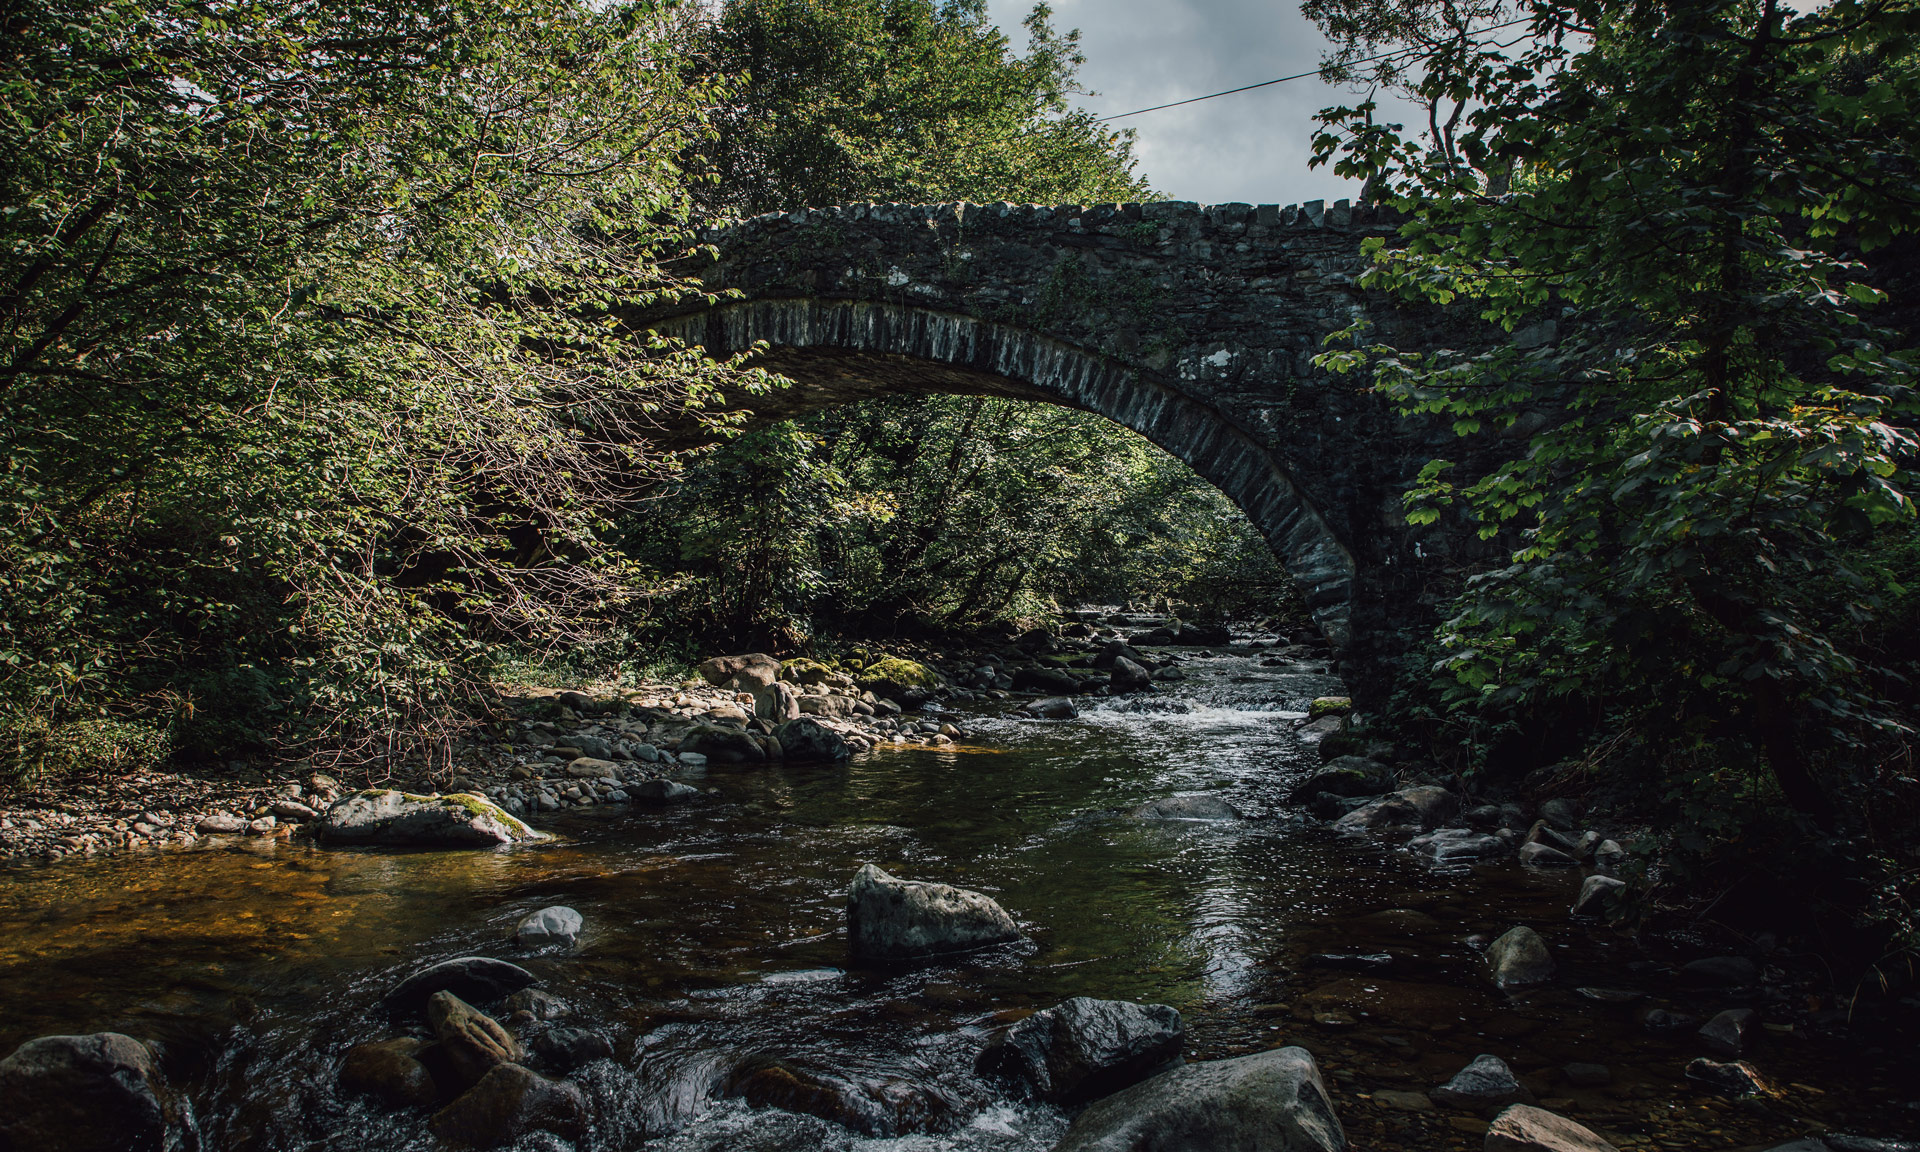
(1483, 1086)
(390, 1070)
(1127, 676)
(1270, 1100)
(663, 792)
(1735, 1078)
(1187, 808)
(1402, 1101)
(1040, 678)
(871, 1108)
(1456, 846)
(1804, 1144)
(1541, 855)
(566, 1048)
(472, 1041)
(1084, 1048)
(537, 1003)
(1720, 971)
(1520, 958)
(1052, 708)
(220, 823)
(292, 810)
(1203, 635)
(723, 745)
(1344, 776)
(1117, 650)
(1424, 808)
(475, 979)
(807, 740)
(1608, 995)
(1327, 806)
(1352, 962)
(1729, 1033)
(1561, 814)
(386, 816)
(1599, 896)
(1493, 817)
(1587, 1075)
(1841, 1142)
(95, 1093)
(1661, 1022)
(509, 1102)
(889, 918)
(1608, 854)
(555, 927)
(1329, 706)
(1524, 1128)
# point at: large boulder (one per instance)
(1084, 1048)
(776, 703)
(388, 816)
(1524, 1128)
(741, 673)
(807, 739)
(905, 682)
(97, 1093)
(473, 1042)
(1043, 678)
(890, 918)
(475, 979)
(390, 1070)
(1052, 708)
(832, 707)
(723, 745)
(1519, 958)
(1424, 808)
(1268, 1102)
(509, 1102)
(1118, 650)
(1344, 776)
(1126, 676)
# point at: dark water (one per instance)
(714, 932)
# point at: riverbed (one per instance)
(714, 934)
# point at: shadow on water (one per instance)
(715, 936)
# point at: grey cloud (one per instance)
(1252, 146)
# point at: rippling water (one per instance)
(714, 933)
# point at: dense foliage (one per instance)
(1690, 214)
(303, 393)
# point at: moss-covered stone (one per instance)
(895, 670)
(1329, 706)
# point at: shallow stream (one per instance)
(715, 931)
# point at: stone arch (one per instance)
(841, 350)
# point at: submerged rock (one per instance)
(475, 979)
(1520, 958)
(1344, 776)
(1599, 896)
(95, 1093)
(1084, 1048)
(1127, 676)
(1523, 1128)
(871, 1108)
(509, 1102)
(663, 792)
(890, 918)
(1720, 971)
(1456, 846)
(390, 1070)
(1735, 1078)
(566, 1048)
(387, 816)
(1187, 808)
(1052, 708)
(1484, 1085)
(1424, 808)
(555, 927)
(1268, 1101)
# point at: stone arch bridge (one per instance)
(1193, 326)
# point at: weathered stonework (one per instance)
(1194, 326)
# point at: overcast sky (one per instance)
(1252, 146)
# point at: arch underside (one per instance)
(841, 351)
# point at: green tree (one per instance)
(1691, 214)
(303, 385)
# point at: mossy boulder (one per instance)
(804, 671)
(389, 816)
(905, 682)
(1329, 706)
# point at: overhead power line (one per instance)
(1295, 76)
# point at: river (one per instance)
(715, 932)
